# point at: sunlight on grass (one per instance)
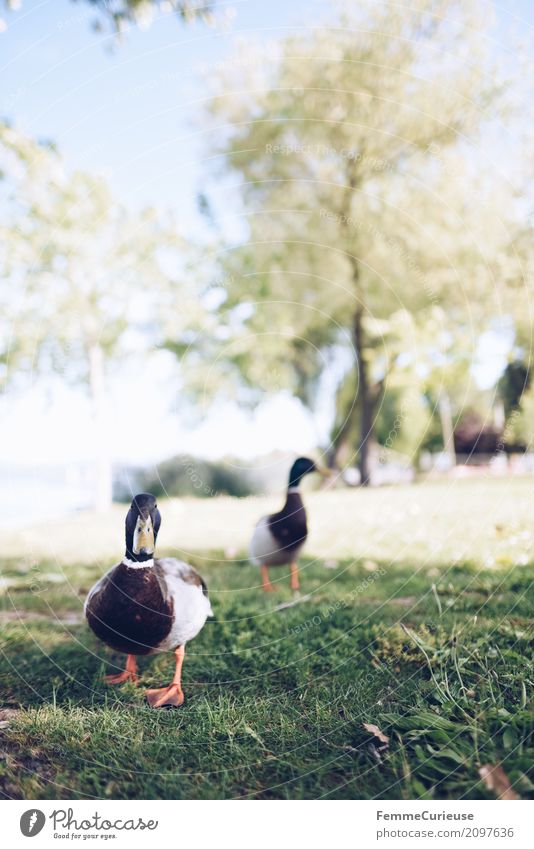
(487, 521)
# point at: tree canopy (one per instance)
(368, 205)
(85, 280)
(119, 14)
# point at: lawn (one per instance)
(415, 616)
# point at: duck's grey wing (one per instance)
(171, 567)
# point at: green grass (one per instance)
(434, 648)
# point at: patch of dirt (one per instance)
(17, 762)
(7, 715)
(28, 616)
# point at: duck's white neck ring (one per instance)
(132, 564)
(293, 489)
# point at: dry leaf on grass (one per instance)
(376, 732)
(495, 779)
(380, 741)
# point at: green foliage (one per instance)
(350, 143)
(514, 381)
(519, 430)
(86, 281)
(86, 264)
(185, 475)
(121, 14)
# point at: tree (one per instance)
(84, 279)
(514, 381)
(343, 149)
(120, 14)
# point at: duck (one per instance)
(279, 538)
(144, 605)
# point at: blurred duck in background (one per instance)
(143, 606)
(279, 538)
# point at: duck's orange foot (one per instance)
(294, 585)
(121, 677)
(129, 674)
(265, 582)
(171, 696)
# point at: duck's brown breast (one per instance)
(129, 610)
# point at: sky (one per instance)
(127, 112)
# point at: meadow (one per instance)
(415, 617)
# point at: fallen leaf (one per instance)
(376, 732)
(495, 779)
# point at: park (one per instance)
(266, 335)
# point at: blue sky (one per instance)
(127, 112)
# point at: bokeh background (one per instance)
(263, 232)
(232, 234)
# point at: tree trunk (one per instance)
(447, 428)
(342, 438)
(104, 483)
(365, 401)
(364, 406)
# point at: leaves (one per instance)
(91, 272)
(350, 202)
(496, 780)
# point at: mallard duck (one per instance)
(279, 538)
(143, 605)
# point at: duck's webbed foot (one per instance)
(173, 695)
(129, 674)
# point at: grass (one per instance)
(424, 630)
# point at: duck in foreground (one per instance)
(143, 605)
(279, 538)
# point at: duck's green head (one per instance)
(304, 466)
(142, 526)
